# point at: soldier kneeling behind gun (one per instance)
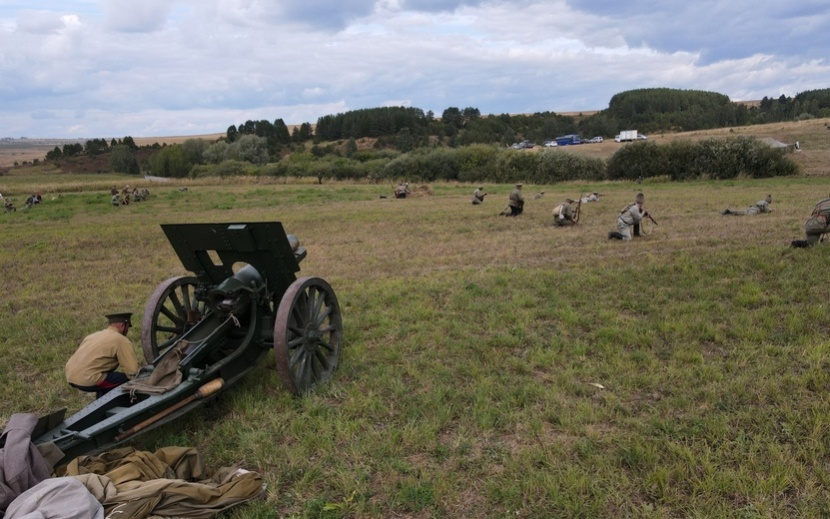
(816, 226)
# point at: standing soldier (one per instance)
(817, 225)
(630, 215)
(478, 195)
(563, 214)
(761, 206)
(515, 202)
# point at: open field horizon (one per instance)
(492, 367)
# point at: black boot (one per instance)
(800, 244)
(614, 235)
(636, 230)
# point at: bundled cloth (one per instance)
(172, 481)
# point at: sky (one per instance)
(152, 68)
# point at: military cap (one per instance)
(639, 198)
(123, 317)
(768, 199)
(569, 200)
(519, 184)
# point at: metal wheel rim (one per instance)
(166, 314)
(307, 334)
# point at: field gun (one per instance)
(210, 329)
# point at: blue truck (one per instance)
(568, 140)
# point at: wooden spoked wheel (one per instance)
(307, 334)
(170, 312)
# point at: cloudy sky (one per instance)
(144, 68)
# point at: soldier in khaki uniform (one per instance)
(817, 225)
(761, 206)
(93, 366)
(478, 195)
(631, 215)
(515, 202)
(563, 214)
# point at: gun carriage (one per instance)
(214, 327)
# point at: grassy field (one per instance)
(492, 367)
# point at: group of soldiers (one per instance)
(564, 214)
(630, 218)
(123, 197)
(31, 200)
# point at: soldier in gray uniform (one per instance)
(761, 206)
(402, 191)
(817, 225)
(478, 195)
(563, 214)
(631, 215)
(516, 201)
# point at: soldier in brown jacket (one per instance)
(93, 366)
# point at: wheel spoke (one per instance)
(176, 302)
(324, 361)
(186, 298)
(293, 343)
(170, 315)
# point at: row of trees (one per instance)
(679, 160)
(411, 129)
(91, 148)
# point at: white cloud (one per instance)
(168, 66)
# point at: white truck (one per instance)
(626, 135)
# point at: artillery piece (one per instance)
(213, 328)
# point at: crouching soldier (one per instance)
(563, 214)
(478, 195)
(817, 225)
(631, 215)
(402, 191)
(93, 366)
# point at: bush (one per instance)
(713, 158)
(122, 160)
(558, 166)
(637, 159)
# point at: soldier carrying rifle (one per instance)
(631, 215)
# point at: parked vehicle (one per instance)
(641, 137)
(550, 144)
(626, 135)
(568, 140)
(595, 139)
(522, 145)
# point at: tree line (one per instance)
(398, 131)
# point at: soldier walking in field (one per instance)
(761, 206)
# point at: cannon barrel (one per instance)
(230, 296)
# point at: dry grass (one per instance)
(472, 341)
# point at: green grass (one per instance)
(493, 367)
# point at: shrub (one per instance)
(122, 160)
(557, 166)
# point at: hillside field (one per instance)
(492, 367)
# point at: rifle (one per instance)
(652, 219)
(578, 207)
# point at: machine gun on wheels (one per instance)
(213, 328)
